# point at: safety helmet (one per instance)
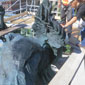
(69, 1)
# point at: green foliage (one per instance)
(27, 32)
(67, 49)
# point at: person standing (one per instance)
(66, 13)
(79, 5)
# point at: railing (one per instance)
(12, 5)
(23, 6)
(68, 71)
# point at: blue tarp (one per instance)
(83, 42)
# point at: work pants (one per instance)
(66, 15)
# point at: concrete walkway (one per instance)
(72, 72)
(79, 78)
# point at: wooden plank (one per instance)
(3, 32)
(67, 71)
(29, 20)
(13, 17)
(18, 21)
(25, 20)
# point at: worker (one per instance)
(79, 5)
(66, 13)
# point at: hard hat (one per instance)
(69, 1)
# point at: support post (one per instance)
(20, 7)
(26, 5)
(34, 6)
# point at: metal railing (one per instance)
(23, 6)
(13, 5)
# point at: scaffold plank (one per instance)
(17, 15)
(3, 32)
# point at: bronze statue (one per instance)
(2, 13)
(24, 59)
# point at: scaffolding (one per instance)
(27, 7)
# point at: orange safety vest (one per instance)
(65, 2)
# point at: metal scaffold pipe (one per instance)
(26, 5)
(12, 5)
(20, 7)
